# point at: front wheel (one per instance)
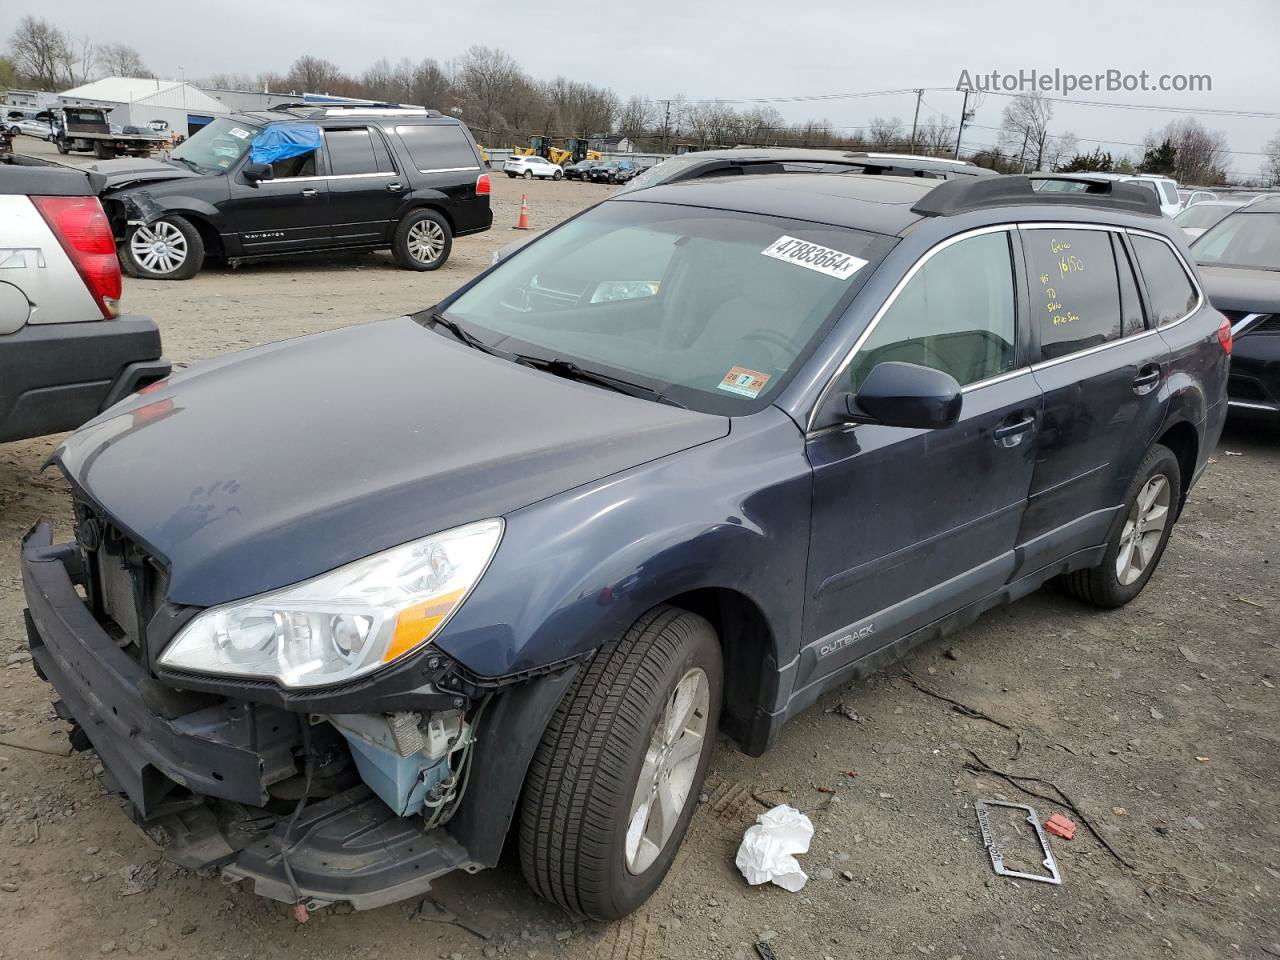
(14, 131)
(422, 240)
(62, 146)
(528, 174)
(1138, 539)
(168, 249)
(615, 780)
(558, 175)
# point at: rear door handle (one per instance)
(1146, 379)
(395, 186)
(1010, 434)
(310, 192)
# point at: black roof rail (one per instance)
(978, 193)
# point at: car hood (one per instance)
(130, 170)
(1242, 289)
(267, 467)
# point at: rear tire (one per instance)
(422, 240)
(103, 152)
(1138, 537)
(622, 750)
(179, 256)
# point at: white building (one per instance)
(167, 106)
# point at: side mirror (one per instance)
(906, 395)
(254, 172)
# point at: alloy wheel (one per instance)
(426, 241)
(159, 247)
(667, 776)
(1143, 528)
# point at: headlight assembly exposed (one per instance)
(345, 623)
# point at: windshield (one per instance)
(217, 146)
(1202, 215)
(1242, 240)
(711, 309)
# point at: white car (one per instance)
(1165, 189)
(1189, 198)
(31, 127)
(529, 167)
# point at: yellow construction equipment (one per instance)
(573, 150)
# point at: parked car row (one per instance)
(595, 171)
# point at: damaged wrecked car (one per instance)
(345, 613)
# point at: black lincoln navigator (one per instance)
(301, 178)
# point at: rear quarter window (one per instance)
(1169, 289)
(438, 147)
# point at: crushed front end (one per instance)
(362, 793)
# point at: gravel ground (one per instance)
(1159, 721)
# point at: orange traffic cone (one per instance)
(523, 222)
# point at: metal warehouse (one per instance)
(167, 106)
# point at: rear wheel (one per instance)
(103, 151)
(168, 249)
(1138, 539)
(422, 241)
(615, 780)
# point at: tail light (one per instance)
(482, 185)
(82, 229)
(1224, 335)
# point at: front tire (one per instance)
(1138, 538)
(166, 249)
(422, 240)
(615, 781)
(558, 175)
(528, 174)
(61, 144)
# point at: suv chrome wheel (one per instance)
(425, 241)
(1143, 529)
(160, 247)
(670, 766)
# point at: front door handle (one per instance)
(395, 186)
(1146, 379)
(310, 192)
(1010, 434)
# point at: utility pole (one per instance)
(915, 121)
(964, 113)
(1022, 159)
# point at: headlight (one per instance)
(344, 623)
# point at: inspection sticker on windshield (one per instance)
(238, 133)
(744, 382)
(814, 256)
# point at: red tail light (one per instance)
(482, 185)
(82, 229)
(1224, 335)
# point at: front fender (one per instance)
(142, 205)
(576, 570)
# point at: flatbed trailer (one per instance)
(87, 130)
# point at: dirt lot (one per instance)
(1159, 721)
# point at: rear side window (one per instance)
(1170, 193)
(1169, 289)
(1075, 293)
(956, 315)
(1130, 302)
(350, 151)
(436, 147)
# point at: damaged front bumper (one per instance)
(214, 780)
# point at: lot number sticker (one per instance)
(238, 133)
(814, 256)
(744, 382)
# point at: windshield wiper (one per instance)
(465, 336)
(190, 163)
(572, 371)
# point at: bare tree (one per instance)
(1200, 155)
(636, 117)
(1059, 148)
(315, 75)
(885, 134)
(492, 81)
(1271, 170)
(79, 62)
(431, 86)
(936, 137)
(1025, 126)
(40, 51)
(122, 60)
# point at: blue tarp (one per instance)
(280, 142)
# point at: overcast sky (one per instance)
(753, 49)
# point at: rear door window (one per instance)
(1074, 288)
(1170, 192)
(1169, 289)
(438, 147)
(350, 151)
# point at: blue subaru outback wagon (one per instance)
(343, 613)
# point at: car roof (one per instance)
(1263, 205)
(889, 205)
